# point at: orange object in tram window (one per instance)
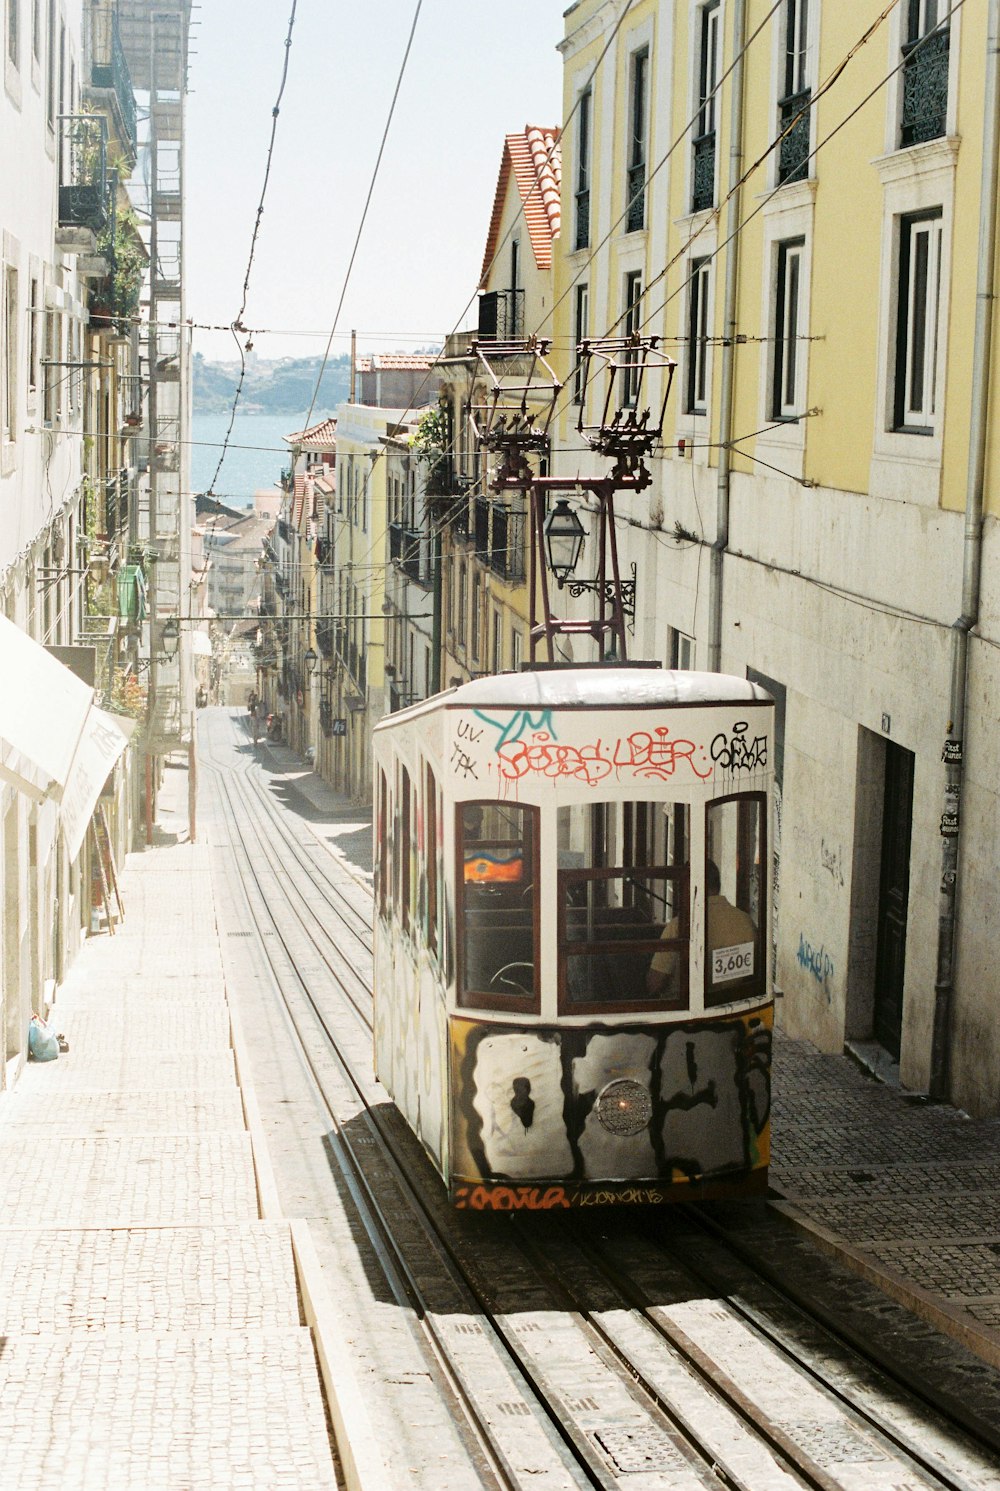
(485, 869)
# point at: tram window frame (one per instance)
(491, 999)
(405, 876)
(754, 985)
(431, 856)
(382, 856)
(621, 839)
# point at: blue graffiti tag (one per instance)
(518, 723)
(816, 959)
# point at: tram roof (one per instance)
(589, 688)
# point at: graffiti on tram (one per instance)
(528, 1109)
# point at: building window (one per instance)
(785, 369)
(8, 336)
(703, 169)
(680, 649)
(583, 121)
(925, 71)
(636, 174)
(33, 314)
(697, 331)
(496, 646)
(13, 33)
(477, 591)
(793, 106)
(581, 318)
(919, 295)
(632, 319)
(516, 650)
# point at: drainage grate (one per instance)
(644, 1447)
(833, 1444)
(517, 1410)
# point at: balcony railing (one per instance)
(501, 315)
(793, 153)
(413, 555)
(925, 89)
(116, 502)
(636, 185)
(507, 549)
(582, 238)
(395, 542)
(109, 71)
(83, 171)
(703, 173)
(482, 528)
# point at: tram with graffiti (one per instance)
(573, 961)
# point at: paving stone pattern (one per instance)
(908, 1189)
(150, 1320)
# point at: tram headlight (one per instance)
(624, 1107)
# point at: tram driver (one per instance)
(728, 925)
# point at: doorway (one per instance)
(894, 891)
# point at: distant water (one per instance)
(255, 457)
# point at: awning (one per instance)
(201, 644)
(104, 738)
(43, 711)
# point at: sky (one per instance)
(475, 73)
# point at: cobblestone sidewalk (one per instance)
(907, 1193)
(151, 1323)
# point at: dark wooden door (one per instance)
(894, 888)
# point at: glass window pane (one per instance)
(498, 906)
(735, 880)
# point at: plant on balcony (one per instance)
(127, 695)
(114, 301)
(431, 438)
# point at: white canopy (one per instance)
(104, 738)
(43, 710)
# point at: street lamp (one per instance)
(170, 636)
(311, 660)
(564, 536)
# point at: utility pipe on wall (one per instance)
(721, 543)
(954, 747)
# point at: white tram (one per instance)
(573, 981)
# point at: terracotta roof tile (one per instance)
(534, 158)
(322, 434)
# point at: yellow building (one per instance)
(485, 538)
(792, 200)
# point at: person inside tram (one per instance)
(728, 926)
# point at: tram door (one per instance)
(894, 888)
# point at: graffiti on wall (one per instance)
(691, 1104)
(817, 961)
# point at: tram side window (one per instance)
(497, 903)
(623, 905)
(382, 846)
(405, 874)
(431, 857)
(735, 886)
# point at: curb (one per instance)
(354, 1438)
(950, 1321)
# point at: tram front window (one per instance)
(623, 887)
(498, 906)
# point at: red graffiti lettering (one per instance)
(657, 755)
(510, 1198)
(646, 754)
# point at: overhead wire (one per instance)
(237, 325)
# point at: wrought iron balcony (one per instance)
(793, 153)
(482, 528)
(507, 549)
(395, 542)
(440, 478)
(501, 315)
(635, 217)
(83, 171)
(925, 89)
(413, 566)
(582, 238)
(109, 72)
(703, 173)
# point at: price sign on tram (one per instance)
(730, 963)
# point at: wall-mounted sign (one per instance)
(339, 726)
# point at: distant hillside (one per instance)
(284, 387)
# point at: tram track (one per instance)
(567, 1368)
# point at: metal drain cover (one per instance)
(643, 1447)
